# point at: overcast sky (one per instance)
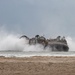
(44, 17)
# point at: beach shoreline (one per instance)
(42, 65)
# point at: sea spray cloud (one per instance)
(10, 42)
(71, 43)
(33, 48)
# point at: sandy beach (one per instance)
(45, 65)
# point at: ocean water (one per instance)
(35, 53)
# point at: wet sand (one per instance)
(45, 65)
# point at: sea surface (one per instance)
(35, 53)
